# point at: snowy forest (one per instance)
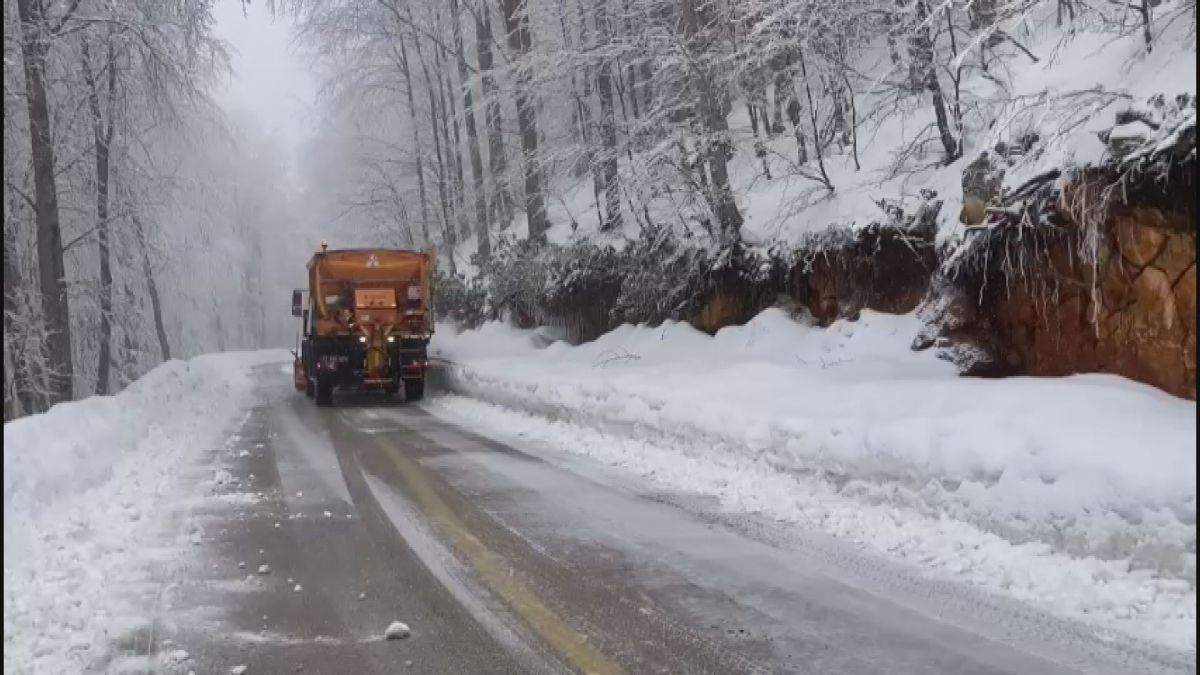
(592, 162)
(136, 215)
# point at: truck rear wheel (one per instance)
(309, 390)
(324, 393)
(414, 390)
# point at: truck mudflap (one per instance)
(299, 376)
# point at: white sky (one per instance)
(270, 81)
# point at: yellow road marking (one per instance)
(495, 571)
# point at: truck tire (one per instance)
(324, 393)
(309, 389)
(414, 390)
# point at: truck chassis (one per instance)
(337, 362)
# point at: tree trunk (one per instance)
(218, 326)
(587, 121)
(760, 150)
(449, 235)
(497, 162)
(583, 118)
(453, 141)
(837, 114)
(647, 86)
(710, 107)
(453, 147)
(483, 245)
(1070, 7)
(779, 85)
(14, 284)
(416, 134)
(631, 73)
(1144, 10)
(812, 116)
(520, 41)
(631, 69)
(102, 135)
(853, 120)
(608, 127)
(982, 16)
(921, 52)
(13, 407)
(51, 270)
(164, 345)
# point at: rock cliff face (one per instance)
(1049, 289)
(1093, 273)
(886, 270)
(1130, 311)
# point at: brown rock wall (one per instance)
(1131, 313)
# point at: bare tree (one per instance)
(924, 75)
(483, 239)
(103, 127)
(520, 42)
(160, 331)
(450, 121)
(497, 162)
(608, 126)
(19, 378)
(38, 30)
(436, 115)
(712, 118)
(812, 113)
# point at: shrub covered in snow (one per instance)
(1155, 134)
(458, 300)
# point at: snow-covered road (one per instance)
(506, 542)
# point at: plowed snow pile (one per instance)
(1077, 494)
(87, 487)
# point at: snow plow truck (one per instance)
(366, 323)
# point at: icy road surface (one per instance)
(512, 558)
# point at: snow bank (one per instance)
(1091, 468)
(85, 486)
(77, 445)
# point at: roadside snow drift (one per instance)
(86, 486)
(1076, 493)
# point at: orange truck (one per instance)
(366, 323)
